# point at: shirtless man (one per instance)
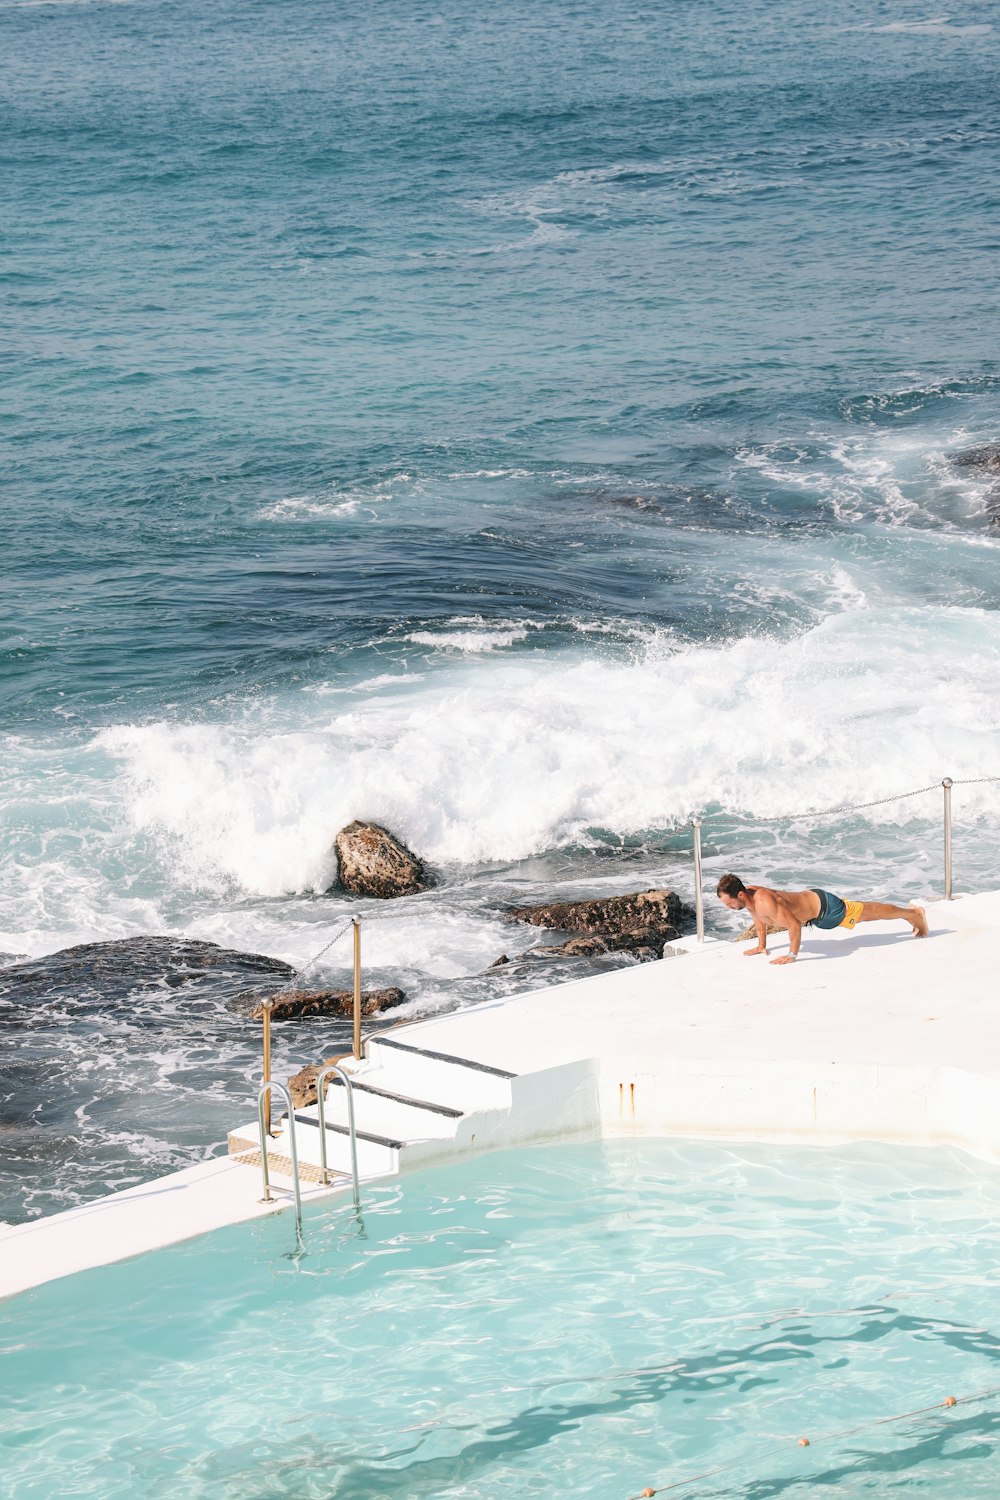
(798, 909)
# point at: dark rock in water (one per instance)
(302, 1085)
(103, 974)
(608, 914)
(296, 1005)
(372, 862)
(498, 963)
(644, 942)
(987, 459)
(640, 923)
(119, 1062)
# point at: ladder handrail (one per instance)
(345, 1078)
(262, 1093)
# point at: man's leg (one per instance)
(881, 911)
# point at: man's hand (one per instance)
(749, 952)
(786, 958)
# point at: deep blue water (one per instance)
(525, 426)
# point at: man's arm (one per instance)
(764, 912)
(761, 947)
(790, 920)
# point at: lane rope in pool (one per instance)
(804, 1442)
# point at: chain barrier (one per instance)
(382, 916)
(738, 820)
(304, 969)
(829, 1437)
(831, 812)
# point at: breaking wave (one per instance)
(476, 765)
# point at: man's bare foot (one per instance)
(919, 920)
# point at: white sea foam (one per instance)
(473, 635)
(936, 26)
(498, 763)
(338, 502)
(894, 478)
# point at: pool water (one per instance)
(583, 1320)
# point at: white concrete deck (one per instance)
(870, 1036)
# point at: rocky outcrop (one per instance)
(640, 923)
(985, 461)
(302, 1085)
(298, 1005)
(607, 914)
(101, 977)
(372, 862)
(643, 942)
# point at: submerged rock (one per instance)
(643, 942)
(296, 1005)
(987, 459)
(641, 923)
(372, 862)
(103, 975)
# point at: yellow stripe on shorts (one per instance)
(852, 914)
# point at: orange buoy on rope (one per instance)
(803, 1442)
(950, 1401)
(647, 1493)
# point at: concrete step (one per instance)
(420, 1072)
(388, 1112)
(406, 1099)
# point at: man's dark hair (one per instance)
(730, 885)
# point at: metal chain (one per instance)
(830, 812)
(317, 956)
(382, 915)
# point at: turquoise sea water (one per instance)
(586, 1320)
(527, 426)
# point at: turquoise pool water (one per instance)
(583, 1320)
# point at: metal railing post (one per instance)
(345, 1078)
(947, 784)
(265, 1090)
(357, 987)
(699, 896)
(268, 1005)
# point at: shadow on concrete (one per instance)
(859, 941)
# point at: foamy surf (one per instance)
(501, 764)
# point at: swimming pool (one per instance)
(586, 1319)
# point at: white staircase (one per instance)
(410, 1103)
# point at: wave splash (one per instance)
(481, 763)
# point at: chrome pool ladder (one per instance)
(262, 1095)
(345, 1079)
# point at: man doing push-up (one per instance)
(798, 909)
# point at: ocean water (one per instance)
(526, 426)
(452, 1350)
